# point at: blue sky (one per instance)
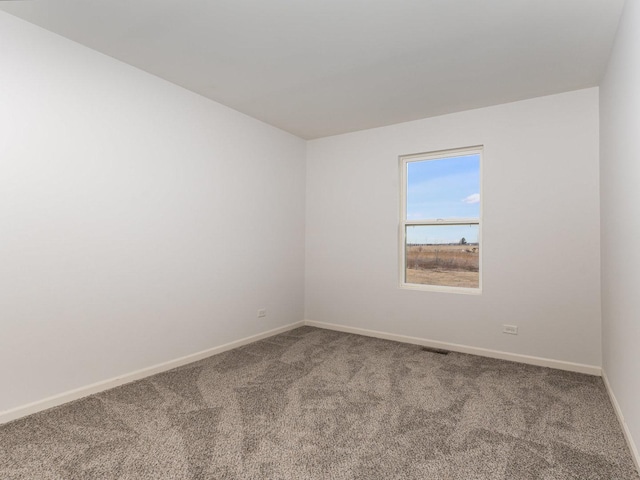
(443, 188)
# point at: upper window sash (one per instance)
(444, 221)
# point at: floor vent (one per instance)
(439, 351)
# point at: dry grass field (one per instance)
(446, 265)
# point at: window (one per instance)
(440, 228)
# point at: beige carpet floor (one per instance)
(317, 404)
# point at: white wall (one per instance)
(540, 230)
(620, 211)
(139, 222)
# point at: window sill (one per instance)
(440, 289)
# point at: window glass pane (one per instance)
(446, 255)
(444, 188)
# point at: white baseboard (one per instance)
(625, 428)
(53, 401)
(483, 352)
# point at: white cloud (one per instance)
(474, 198)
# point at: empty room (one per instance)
(319, 239)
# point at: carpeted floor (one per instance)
(317, 404)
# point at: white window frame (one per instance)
(404, 223)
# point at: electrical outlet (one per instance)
(262, 312)
(510, 329)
